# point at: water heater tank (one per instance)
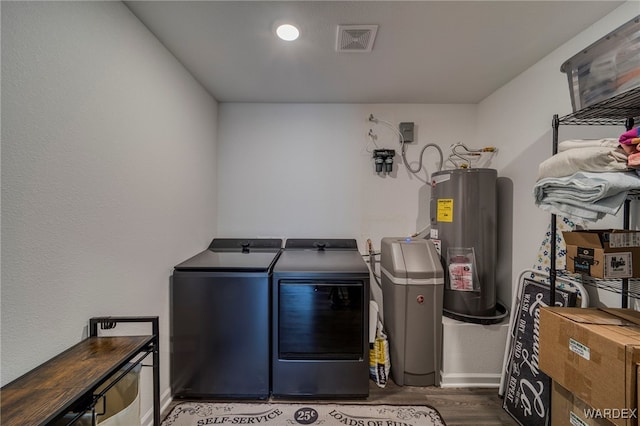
(463, 227)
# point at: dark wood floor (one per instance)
(468, 406)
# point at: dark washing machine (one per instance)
(220, 319)
(320, 320)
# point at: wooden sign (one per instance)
(527, 392)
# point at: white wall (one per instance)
(517, 118)
(304, 170)
(108, 175)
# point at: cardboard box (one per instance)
(608, 254)
(569, 410)
(593, 353)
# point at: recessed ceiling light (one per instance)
(287, 32)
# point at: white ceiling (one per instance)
(424, 52)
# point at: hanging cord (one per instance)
(372, 262)
(404, 157)
(372, 140)
(403, 148)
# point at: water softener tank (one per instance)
(463, 228)
(412, 283)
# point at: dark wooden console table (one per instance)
(69, 381)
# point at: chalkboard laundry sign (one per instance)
(527, 389)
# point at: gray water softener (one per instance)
(463, 227)
(412, 284)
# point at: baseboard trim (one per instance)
(165, 400)
(469, 380)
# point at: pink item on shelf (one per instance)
(628, 137)
(629, 148)
(634, 160)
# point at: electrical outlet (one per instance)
(406, 130)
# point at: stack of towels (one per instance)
(588, 179)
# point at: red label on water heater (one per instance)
(461, 276)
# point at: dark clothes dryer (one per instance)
(220, 316)
(320, 320)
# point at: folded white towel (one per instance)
(585, 196)
(588, 143)
(581, 213)
(588, 159)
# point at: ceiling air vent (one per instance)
(356, 38)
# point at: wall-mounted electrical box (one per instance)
(406, 130)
